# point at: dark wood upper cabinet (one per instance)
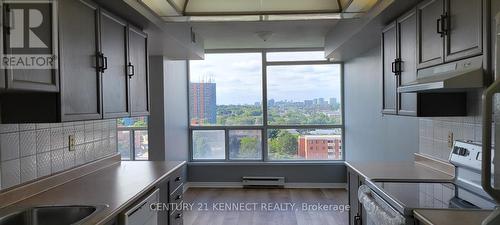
(407, 51)
(389, 56)
(115, 82)
(102, 73)
(79, 47)
(138, 72)
(464, 19)
(399, 55)
(430, 41)
(30, 78)
(448, 30)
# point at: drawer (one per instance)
(176, 198)
(176, 218)
(140, 213)
(176, 179)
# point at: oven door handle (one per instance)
(377, 212)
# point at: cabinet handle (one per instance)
(393, 67)
(357, 220)
(131, 70)
(399, 66)
(177, 179)
(440, 27)
(444, 24)
(178, 216)
(105, 64)
(100, 62)
(179, 197)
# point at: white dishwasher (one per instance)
(141, 213)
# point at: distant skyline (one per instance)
(239, 79)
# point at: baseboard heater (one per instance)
(263, 182)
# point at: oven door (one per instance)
(376, 211)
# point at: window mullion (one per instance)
(264, 106)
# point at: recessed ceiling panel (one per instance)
(178, 4)
(207, 7)
(300, 5)
(161, 7)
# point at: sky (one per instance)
(239, 79)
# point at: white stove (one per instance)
(397, 200)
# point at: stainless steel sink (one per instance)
(52, 215)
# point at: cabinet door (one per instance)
(163, 215)
(139, 82)
(115, 82)
(407, 51)
(465, 29)
(34, 51)
(429, 42)
(389, 44)
(80, 80)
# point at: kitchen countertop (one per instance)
(398, 171)
(117, 186)
(451, 216)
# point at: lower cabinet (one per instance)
(167, 195)
(140, 213)
(354, 180)
(172, 192)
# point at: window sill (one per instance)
(267, 163)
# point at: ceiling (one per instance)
(278, 34)
(231, 24)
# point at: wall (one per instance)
(168, 122)
(294, 173)
(176, 120)
(369, 135)
(30, 151)
(156, 126)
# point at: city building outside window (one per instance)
(265, 106)
(133, 138)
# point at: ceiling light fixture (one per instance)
(264, 35)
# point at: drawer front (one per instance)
(141, 212)
(176, 179)
(176, 218)
(176, 198)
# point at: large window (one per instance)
(133, 138)
(265, 106)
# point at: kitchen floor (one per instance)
(210, 206)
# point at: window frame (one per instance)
(265, 126)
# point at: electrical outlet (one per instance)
(450, 139)
(71, 142)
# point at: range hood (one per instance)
(451, 77)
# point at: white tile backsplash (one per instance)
(28, 168)
(27, 143)
(30, 151)
(9, 143)
(43, 140)
(11, 173)
(44, 164)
